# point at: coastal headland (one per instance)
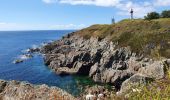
(130, 52)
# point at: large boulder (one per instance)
(168, 61)
(154, 70)
(134, 82)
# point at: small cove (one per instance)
(33, 70)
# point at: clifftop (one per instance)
(139, 34)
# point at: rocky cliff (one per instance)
(15, 90)
(102, 60)
(107, 61)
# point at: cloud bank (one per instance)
(141, 7)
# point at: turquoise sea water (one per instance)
(12, 45)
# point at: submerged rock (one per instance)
(22, 58)
(18, 61)
(33, 50)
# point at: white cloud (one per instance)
(7, 26)
(49, 1)
(68, 26)
(19, 26)
(104, 3)
(141, 7)
(162, 3)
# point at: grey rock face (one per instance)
(134, 81)
(93, 69)
(101, 60)
(155, 70)
(14, 90)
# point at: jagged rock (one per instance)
(115, 77)
(121, 66)
(97, 77)
(133, 65)
(155, 70)
(33, 50)
(134, 81)
(65, 71)
(2, 85)
(93, 69)
(14, 90)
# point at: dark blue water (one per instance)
(32, 70)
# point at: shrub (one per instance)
(165, 14)
(152, 15)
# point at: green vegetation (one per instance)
(142, 36)
(155, 15)
(157, 90)
(152, 15)
(165, 14)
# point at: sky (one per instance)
(71, 14)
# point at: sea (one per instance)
(13, 45)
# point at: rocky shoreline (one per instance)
(15, 90)
(102, 60)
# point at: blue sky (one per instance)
(71, 14)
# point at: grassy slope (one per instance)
(142, 36)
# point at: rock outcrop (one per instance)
(133, 82)
(102, 60)
(14, 90)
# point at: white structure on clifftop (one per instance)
(131, 12)
(113, 20)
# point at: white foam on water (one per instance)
(44, 44)
(25, 51)
(35, 46)
(24, 57)
(50, 41)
